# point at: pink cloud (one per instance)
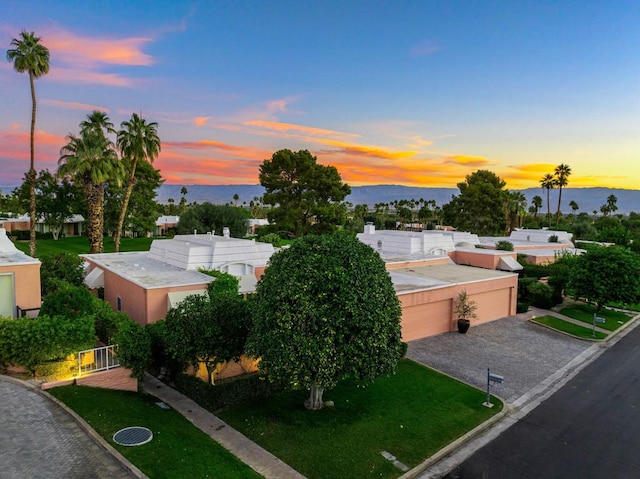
(201, 120)
(72, 105)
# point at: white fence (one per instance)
(97, 359)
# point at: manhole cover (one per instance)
(133, 436)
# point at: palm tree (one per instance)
(137, 141)
(536, 202)
(29, 55)
(574, 207)
(91, 161)
(548, 182)
(612, 204)
(515, 206)
(562, 173)
(98, 122)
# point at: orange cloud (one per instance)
(471, 161)
(74, 105)
(201, 120)
(298, 129)
(15, 155)
(368, 151)
(202, 145)
(15, 126)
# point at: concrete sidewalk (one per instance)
(244, 449)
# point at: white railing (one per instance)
(97, 359)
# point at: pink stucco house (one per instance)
(147, 284)
(19, 280)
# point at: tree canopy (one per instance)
(479, 206)
(325, 309)
(605, 274)
(305, 195)
(208, 217)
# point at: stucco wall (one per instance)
(430, 312)
(27, 284)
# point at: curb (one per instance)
(93, 435)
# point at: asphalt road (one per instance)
(590, 428)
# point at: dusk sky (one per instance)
(417, 93)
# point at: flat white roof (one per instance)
(144, 271)
(10, 255)
(411, 280)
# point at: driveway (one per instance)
(524, 353)
(38, 439)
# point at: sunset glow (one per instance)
(406, 97)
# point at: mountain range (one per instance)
(588, 199)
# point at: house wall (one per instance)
(429, 312)
(157, 301)
(133, 297)
(26, 282)
(478, 260)
(10, 225)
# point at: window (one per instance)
(118, 303)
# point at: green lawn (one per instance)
(584, 312)
(570, 328)
(631, 307)
(80, 245)
(411, 414)
(178, 448)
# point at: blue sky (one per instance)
(417, 93)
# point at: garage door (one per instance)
(426, 320)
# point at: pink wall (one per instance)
(27, 284)
(430, 312)
(415, 264)
(15, 225)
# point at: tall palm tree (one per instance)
(548, 182)
(562, 173)
(91, 161)
(29, 55)
(612, 203)
(536, 202)
(137, 141)
(574, 207)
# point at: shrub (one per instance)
(134, 346)
(272, 238)
(68, 300)
(60, 267)
(540, 295)
(504, 245)
(522, 307)
(226, 392)
(553, 239)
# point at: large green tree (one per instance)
(479, 208)
(209, 330)
(325, 310)
(31, 56)
(138, 142)
(605, 274)
(305, 195)
(208, 217)
(91, 161)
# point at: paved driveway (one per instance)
(38, 439)
(524, 353)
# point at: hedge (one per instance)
(226, 392)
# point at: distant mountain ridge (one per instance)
(588, 199)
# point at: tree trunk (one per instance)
(95, 223)
(32, 172)
(125, 203)
(559, 201)
(315, 398)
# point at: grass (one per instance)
(80, 245)
(178, 448)
(411, 414)
(627, 306)
(569, 328)
(584, 312)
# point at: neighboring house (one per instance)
(164, 224)
(15, 224)
(73, 226)
(147, 284)
(427, 280)
(254, 223)
(19, 280)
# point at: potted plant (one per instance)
(465, 309)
